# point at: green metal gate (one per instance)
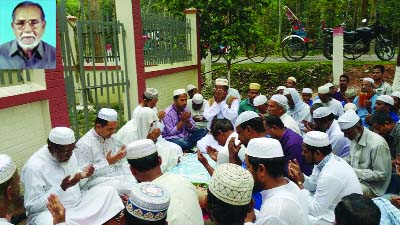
(92, 49)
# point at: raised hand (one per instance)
(201, 158)
(185, 116)
(212, 152)
(87, 172)
(294, 171)
(161, 115)
(67, 182)
(56, 209)
(111, 159)
(233, 148)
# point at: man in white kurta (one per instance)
(196, 106)
(184, 208)
(298, 110)
(277, 106)
(334, 105)
(100, 148)
(331, 179)
(53, 169)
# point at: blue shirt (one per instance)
(362, 111)
(13, 57)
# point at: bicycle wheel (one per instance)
(328, 51)
(384, 49)
(256, 53)
(294, 49)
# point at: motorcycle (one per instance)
(358, 42)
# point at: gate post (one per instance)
(337, 54)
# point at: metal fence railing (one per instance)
(166, 39)
(14, 77)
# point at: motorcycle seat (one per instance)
(350, 33)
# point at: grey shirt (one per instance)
(394, 141)
(12, 57)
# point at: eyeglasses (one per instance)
(34, 24)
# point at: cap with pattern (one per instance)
(254, 86)
(151, 93)
(108, 114)
(148, 201)
(7, 168)
(316, 139)
(221, 81)
(232, 184)
(62, 136)
(140, 149)
(197, 99)
(265, 148)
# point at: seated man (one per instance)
(369, 155)
(247, 104)
(99, 147)
(191, 90)
(53, 169)
(306, 95)
(332, 178)
(224, 207)
(278, 106)
(197, 105)
(365, 102)
(180, 127)
(326, 99)
(356, 209)
(145, 164)
(147, 204)
(261, 103)
(385, 103)
(297, 109)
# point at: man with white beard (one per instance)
(27, 51)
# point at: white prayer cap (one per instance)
(323, 90)
(232, 184)
(321, 112)
(148, 201)
(265, 148)
(197, 99)
(396, 94)
(108, 114)
(369, 80)
(280, 99)
(280, 88)
(245, 116)
(7, 168)
(350, 106)
(316, 139)
(329, 85)
(190, 87)
(151, 93)
(260, 100)
(179, 92)
(386, 99)
(140, 149)
(221, 81)
(292, 79)
(254, 86)
(348, 119)
(306, 91)
(62, 136)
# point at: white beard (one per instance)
(28, 46)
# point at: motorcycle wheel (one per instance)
(384, 50)
(328, 51)
(294, 49)
(354, 51)
(256, 53)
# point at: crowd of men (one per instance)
(289, 159)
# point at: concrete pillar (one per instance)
(337, 54)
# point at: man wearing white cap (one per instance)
(382, 87)
(332, 178)
(180, 127)
(365, 101)
(229, 194)
(53, 169)
(279, 90)
(384, 103)
(261, 104)
(306, 95)
(369, 155)
(147, 204)
(99, 147)
(326, 99)
(325, 122)
(298, 110)
(396, 98)
(191, 90)
(184, 208)
(197, 105)
(291, 82)
(248, 104)
(278, 106)
(282, 201)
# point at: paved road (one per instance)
(277, 59)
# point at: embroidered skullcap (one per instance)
(197, 99)
(280, 99)
(148, 201)
(306, 91)
(396, 94)
(316, 139)
(369, 80)
(280, 88)
(245, 116)
(292, 79)
(350, 106)
(264, 148)
(108, 114)
(190, 87)
(7, 168)
(179, 92)
(386, 99)
(329, 85)
(254, 86)
(62, 136)
(221, 81)
(323, 90)
(260, 100)
(321, 112)
(151, 93)
(232, 184)
(348, 119)
(140, 149)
